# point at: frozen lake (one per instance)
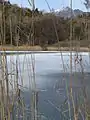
(52, 80)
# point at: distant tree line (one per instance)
(20, 26)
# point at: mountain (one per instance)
(78, 12)
(66, 12)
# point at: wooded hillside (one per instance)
(20, 26)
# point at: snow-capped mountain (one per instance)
(66, 12)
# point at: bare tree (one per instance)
(87, 4)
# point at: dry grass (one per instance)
(20, 48)
(38, 48)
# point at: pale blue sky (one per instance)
(56, 4)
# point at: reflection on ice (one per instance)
(45, 63)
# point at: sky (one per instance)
(56, 4)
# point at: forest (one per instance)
(23, 26)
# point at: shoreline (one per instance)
(22, 49)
